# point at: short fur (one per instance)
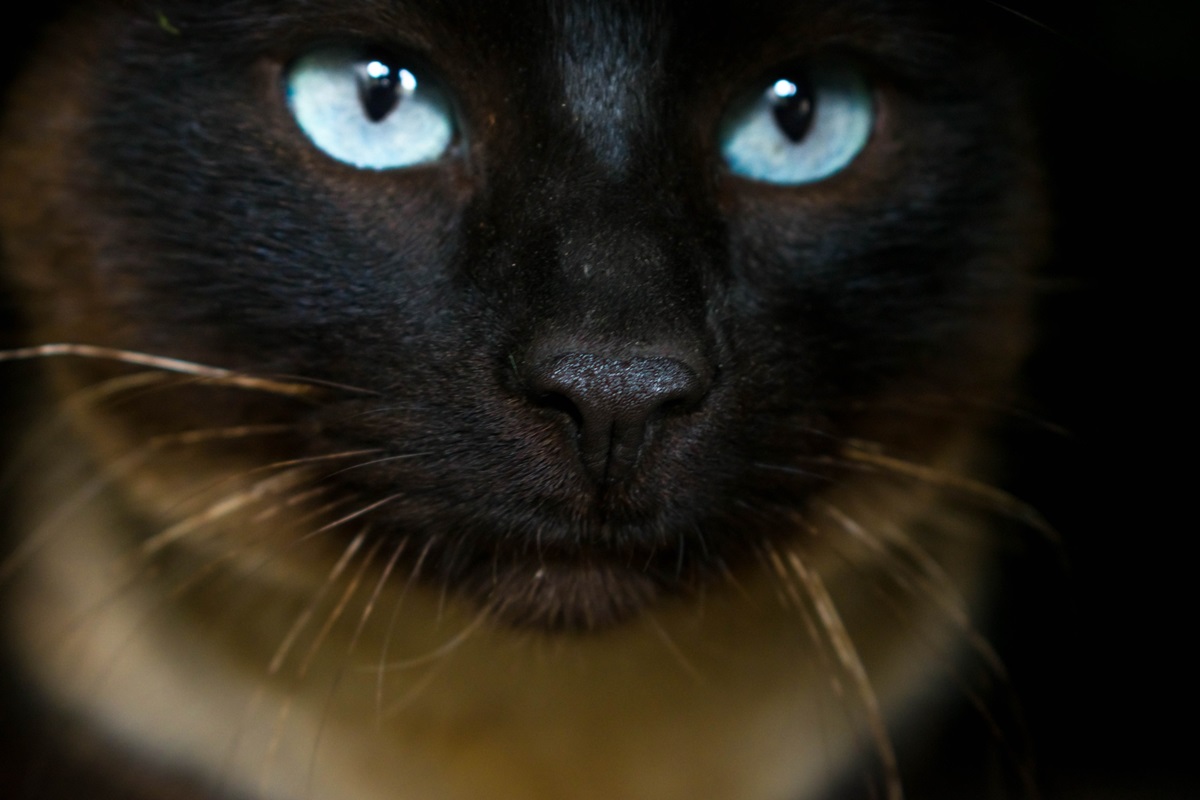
(315, 512)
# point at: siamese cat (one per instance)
(538, 399)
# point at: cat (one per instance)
(528, 400)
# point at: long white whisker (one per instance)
(391, 627)
(433, 657)
(935, 585)
(339, 608)
(1023, 16)
(239, 500)
(792, 598)
(218, 374)
(992, 497)
(52, 527)
(441, 650)
(674, 649)
(928, 580)
(354, 515)
(384, 577)
(306, 615)
(349, 592)
(373, 462)
(852, 663)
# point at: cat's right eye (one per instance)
(369, 110)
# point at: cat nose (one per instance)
(614, 402)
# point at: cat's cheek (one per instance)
(50, 183)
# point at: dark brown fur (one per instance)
(426, 386)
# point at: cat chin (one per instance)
(579, 577)
(561, 597)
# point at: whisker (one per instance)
(353, 516)
(132, 568)
(792, 598)
(306, 615)
(280, 725)
(852, 663)
(273, 744)
(391, 627)
(1037, 23)
(433, 657)
(231, 555)
(935, 585)
(120, 389)
(384, 576)
(218, 374)
(440, 651)
(997, 499)
(45, 430)
(674, 649)
(331, 620)
(930, 582)
(388, 409)
(961, 410)
(48, 529)
(307, 460)
(414, 691)
(284, 649)
(163, 603)
(340, 607)
(790, 469)
(222, 508)
(373, 462)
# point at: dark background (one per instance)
(1099, 643)
(1095, 633)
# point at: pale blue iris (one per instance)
(755, 147)
(324, 96)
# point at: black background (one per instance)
(1096, 635)
(1099, 646)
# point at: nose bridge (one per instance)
(627, 281)
(596, 227)
(606, 68)
(625, 261)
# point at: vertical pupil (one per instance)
(792, 104)
(380, 87)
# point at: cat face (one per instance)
(601, 335)
(615, 324)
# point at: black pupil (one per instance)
(379, 88)
(792, 102)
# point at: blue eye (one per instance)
(368, 111)
(802, 127)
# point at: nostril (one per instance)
(593, 388)
(557, 401)
(612, 402)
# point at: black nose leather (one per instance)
(613, 401)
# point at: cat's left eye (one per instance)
(800, 126)
(369, 110)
